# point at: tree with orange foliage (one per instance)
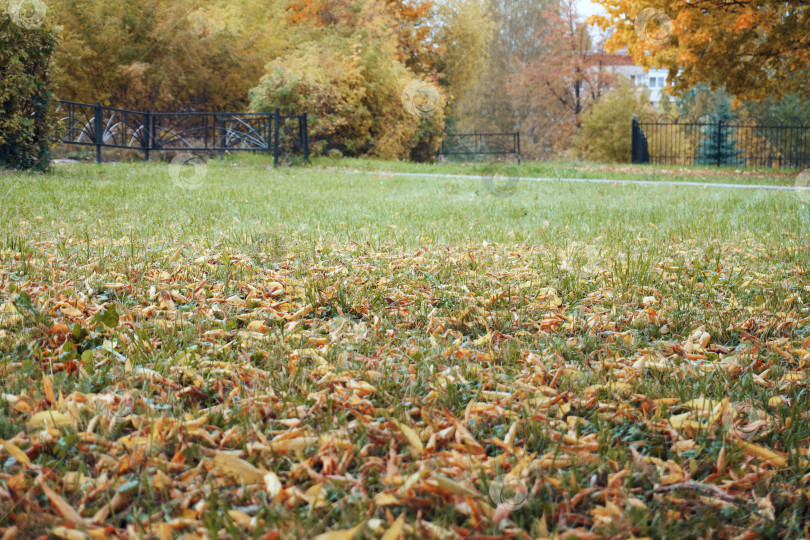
(564, 81)
(753, 48)
(410, 19)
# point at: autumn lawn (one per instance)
(281, 353)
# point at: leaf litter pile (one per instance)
(484, 391)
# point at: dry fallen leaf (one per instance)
(411, 436)
(451, 486)
(272, 484)
(72, 312)
(395, 531)
(45, 419)
(15, 451)
(238, 467)
(47, 385)
(69, 534)
(765, 454)
(61, 506)
(347, 534)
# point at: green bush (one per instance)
(27, 112)
(605, 132)
(352, 88)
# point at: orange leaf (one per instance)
(61, 506)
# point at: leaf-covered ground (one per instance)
(287, 354)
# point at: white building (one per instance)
(655, 80)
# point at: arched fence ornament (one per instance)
(145, 131)
(745, 141)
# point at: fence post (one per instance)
(268, 142)
(276, 122)
(221, 137)
(639, 148)
(306, 137)
(719, 139)
(147, 143)
(98, 130)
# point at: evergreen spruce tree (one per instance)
(719, 148)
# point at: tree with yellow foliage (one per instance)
(161, 54)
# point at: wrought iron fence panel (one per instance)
(747, 142)
(188, 131)
(78, 123)
(472, 144)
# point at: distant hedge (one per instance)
(26, 114)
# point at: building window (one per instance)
(652, 82)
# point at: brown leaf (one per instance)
(71, 312)
(61, 506)
(47, 386)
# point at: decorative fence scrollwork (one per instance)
(706, 140)
(108, 127)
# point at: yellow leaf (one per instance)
(196, 423)
(411, 436)
(776, 401)
(130, 442)
(701, 404)
(293, 445)
(240, 518)
(438, 532)
(71, 312)
(412, 480)
(361, 387)
(9, 320)
(385, 499)
(764, 453)
(275, 288)
(257, 326)
(238, 467)
(98, 534)
(450, 485)
(69, 534)
(346, 534)
(483, 340)
(45, 419)
(15, 451)
(272, 484)
(395, 532)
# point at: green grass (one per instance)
(312, 302)
(673, 173)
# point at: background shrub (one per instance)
(26, 108)
(350, 79)
(605, 133)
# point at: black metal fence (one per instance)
(108, 127)
(711, 141)
(480, 144)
